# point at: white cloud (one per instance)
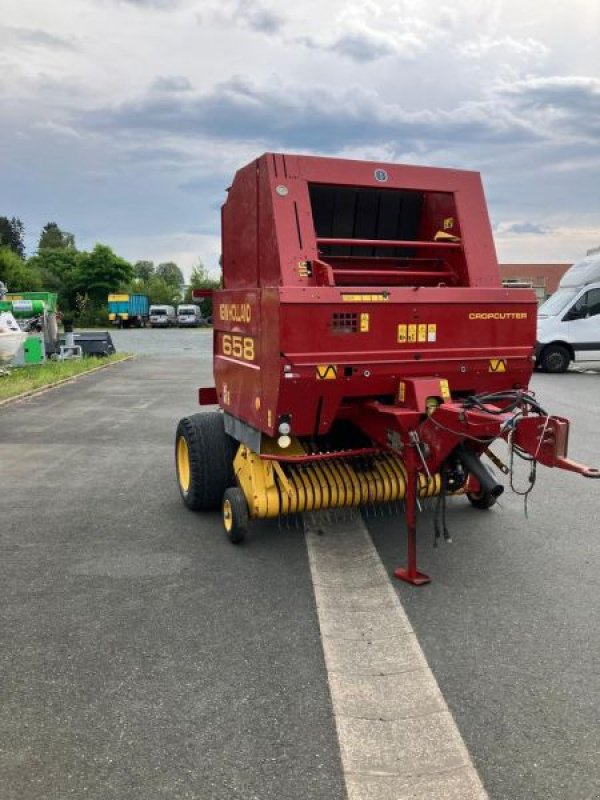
(27, 38)
(506, 46)
(367, 31)
(171, 83)
(564, 245)
(133, 138)
(251, 14)
(521, 227)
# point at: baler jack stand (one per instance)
(411, 574)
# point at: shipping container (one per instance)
(127, 310)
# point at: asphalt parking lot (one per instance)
(144, 657)
(510, 624)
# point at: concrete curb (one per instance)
(61, 382)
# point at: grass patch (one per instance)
(28, 379)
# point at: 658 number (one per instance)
(238, 346)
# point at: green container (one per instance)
(28, 304)
(33, 350)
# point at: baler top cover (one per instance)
(422, 225)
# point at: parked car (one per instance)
(189, 316)
(162, 316)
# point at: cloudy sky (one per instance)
(124, 120)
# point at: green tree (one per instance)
(16, 274)
(101, 272)
(200, 279)
(143, 270)
(170, 272)
(58, 269)
(52, 237)
(161, 292)
(12, 232)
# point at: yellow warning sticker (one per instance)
(497, 365)
(445, 389)
(421, 332)
(326, 372)
(364, 323)
(365, 298)
(448, 223)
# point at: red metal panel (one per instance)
(239, 220)
(272, 368)
(269, 254)
(392, 243)
(473, 220)
(469, 337)
(237, 353)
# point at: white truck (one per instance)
(568, 327)
(162, 316)
(189, 316)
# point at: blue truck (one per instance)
(128, 310)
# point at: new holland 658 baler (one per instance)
(365, 351)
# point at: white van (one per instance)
(162, 316)
(568, 327)
(189, 316)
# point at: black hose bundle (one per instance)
(514, 399)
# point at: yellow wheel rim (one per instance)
(183, 464)
(227, 516)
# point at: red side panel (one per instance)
(237, 353)
(239, 225)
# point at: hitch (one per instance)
(546, 440)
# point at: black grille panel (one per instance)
(344, 322)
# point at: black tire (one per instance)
(206, 471)
(235, 515)
(555, 358)
(481, 500)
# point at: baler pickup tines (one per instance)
(275, 487)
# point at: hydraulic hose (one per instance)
(472, 463)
